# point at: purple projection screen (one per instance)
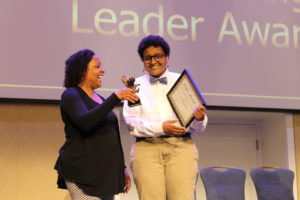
(240, 53)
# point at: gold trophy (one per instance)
(129, 82)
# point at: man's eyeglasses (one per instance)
(157, 58)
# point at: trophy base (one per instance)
(137, 103)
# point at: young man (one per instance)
(164, 158)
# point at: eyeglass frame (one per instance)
(157, 57)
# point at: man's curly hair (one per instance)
(153, 40)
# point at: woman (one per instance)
(91, 162)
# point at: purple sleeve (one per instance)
(73, 105)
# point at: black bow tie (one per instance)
(162, 80)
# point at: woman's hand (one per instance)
(127, 94)
(127, 181)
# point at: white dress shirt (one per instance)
(146, 120)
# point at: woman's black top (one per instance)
(92, 154)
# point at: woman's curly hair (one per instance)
(76, 67)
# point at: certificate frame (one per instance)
(183, 97)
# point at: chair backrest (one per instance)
(273, 183)
(225, 184)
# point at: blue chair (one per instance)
(223, 183)
(273, 183)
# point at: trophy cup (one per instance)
(129, 82)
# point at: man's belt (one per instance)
(187, 135)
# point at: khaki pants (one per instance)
(165, 168)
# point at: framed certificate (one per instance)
(183, 97)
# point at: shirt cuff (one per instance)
(199, 125)
(157, 129)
